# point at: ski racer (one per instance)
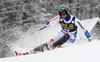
(68, 33)
(69, 24)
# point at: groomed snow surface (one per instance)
(87, 52)
(80, 51)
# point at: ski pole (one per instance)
(24, 37)
(42, 28)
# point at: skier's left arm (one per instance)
(84, 30)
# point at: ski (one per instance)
(35, 52)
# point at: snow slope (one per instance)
(87, 52)
(39, 37)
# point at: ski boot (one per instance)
(42, 48)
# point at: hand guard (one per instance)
(48, 22)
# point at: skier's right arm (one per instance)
(53, 21)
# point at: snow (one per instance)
(87, 52)
(72, 52)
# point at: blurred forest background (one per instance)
(17, 16)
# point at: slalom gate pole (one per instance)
(2, 55)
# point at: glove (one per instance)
(48, 22)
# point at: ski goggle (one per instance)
(62, 13)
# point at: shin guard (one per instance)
(61, 40)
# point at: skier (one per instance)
(69, 29)
(68, 33)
